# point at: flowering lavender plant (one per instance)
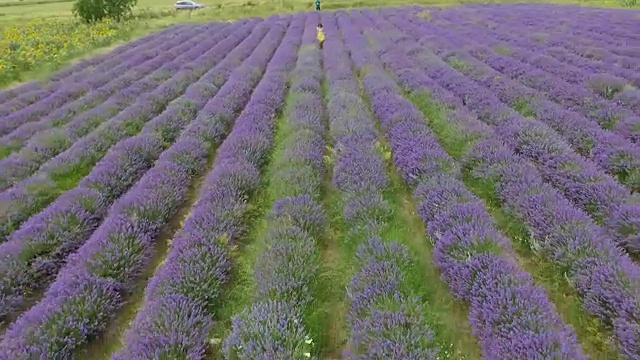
(219, 213)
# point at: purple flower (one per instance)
(287, 268)
(119, 250)
(217, 220)
(268, 330)
(82, 155)
(460, 226)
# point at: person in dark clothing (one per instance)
(317, 5)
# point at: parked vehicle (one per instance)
(188, 5)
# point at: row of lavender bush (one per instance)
(62, 172)
(182, 296)
(510, 315)
(276, 324)
(102, 273)
(33, 255)
(605, 277)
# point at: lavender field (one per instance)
(431, 184)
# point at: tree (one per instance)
(95, 10)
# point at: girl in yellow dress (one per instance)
(320, 35)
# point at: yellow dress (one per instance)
(320, 37)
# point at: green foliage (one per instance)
(628, 3)
(91, 11)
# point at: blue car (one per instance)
(188, 5)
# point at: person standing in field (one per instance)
(317, 5)
(320, 35)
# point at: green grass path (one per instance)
(448, 316)
(242, 284)
(336, 267)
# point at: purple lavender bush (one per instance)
(62, 172)
(221, 208)
(458, 249)
(560, 232)
(36, 252)
(276, 325)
